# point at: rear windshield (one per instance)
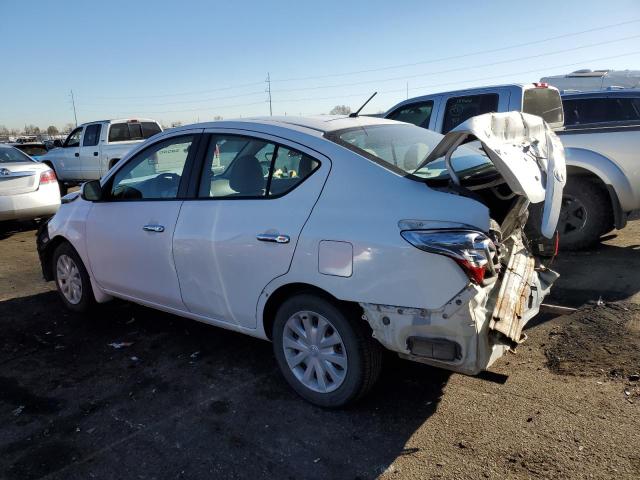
(125, 132)
(10, 155)
(402, 148)
(33, 149)
(545, 103)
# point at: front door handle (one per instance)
(95, 154)
(153, 228)
(77, 154)
(273, 237)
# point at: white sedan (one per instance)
(333, 237)
(28, 189)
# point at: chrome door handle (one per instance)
(273, 237)
(153, 228)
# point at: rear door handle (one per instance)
(95, 154)
(273, 237)
(77, 154)
(153, 228)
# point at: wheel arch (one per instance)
(276, 298)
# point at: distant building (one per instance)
(586, 80)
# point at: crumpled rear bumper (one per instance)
(475, 327)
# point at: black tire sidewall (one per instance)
(354, 380)
(87, 301)
(594, 200)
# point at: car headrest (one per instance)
(246, 177)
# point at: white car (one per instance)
(331, 236)
(28, 189)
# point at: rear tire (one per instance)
(341, 373)
(63, 188)
(72, 279)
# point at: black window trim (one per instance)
(199, 165)
(185, 180)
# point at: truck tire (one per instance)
(584, 216)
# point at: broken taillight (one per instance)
(470, 249)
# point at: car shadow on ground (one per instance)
(10, 228)
(129, 392)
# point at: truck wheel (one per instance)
(584, 216)
(328, 359)
(72, 279)
(63, 188)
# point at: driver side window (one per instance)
(73, 140)
(154, 173)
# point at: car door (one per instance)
(129, 232)
(69, 158)
(254, 196)
(90, 152)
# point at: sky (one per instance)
(188, 61)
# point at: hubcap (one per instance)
(314, 351)
(573, 215)
(68, 279)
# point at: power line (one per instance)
(390, 67)
(464, 55)
(457, 69)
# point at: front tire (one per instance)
(72, 279)
(329, 359)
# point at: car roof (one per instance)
(316, 125)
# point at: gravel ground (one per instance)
(184, 400)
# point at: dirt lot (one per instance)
(184, 400)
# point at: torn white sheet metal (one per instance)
(525, 151)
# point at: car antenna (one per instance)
(355, 114)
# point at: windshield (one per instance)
(403, 147)
(33, 149)
(11, 155)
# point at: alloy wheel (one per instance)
(314, 351)
(68, 279)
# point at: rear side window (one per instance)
(543, 102)
(418, 114)
(124, 132)
(585, 111)
(245, 167)
(459, 109)
(91, 135)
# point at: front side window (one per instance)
(245, 167)
(73, 140)
(153, 174)
(418, 114)
(459, 109)
(402, 148)
(92, 135)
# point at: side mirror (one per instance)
(91, 191)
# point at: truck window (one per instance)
(149, 129)
(73, 140)
(459, 109)
(584, 111)
(418, 114)
(92, 135)
(124, 132)
(545, 103)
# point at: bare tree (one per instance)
(31, 130)
(68, 127)
(4, 130)
(340, 110)
(217, 117)
(52, 130)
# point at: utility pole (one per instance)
(407, 90)
(73, 102)
(268, 90)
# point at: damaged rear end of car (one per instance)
(505, 161)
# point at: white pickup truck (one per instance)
(93, 148)
(601, 136)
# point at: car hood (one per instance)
(523, 149)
